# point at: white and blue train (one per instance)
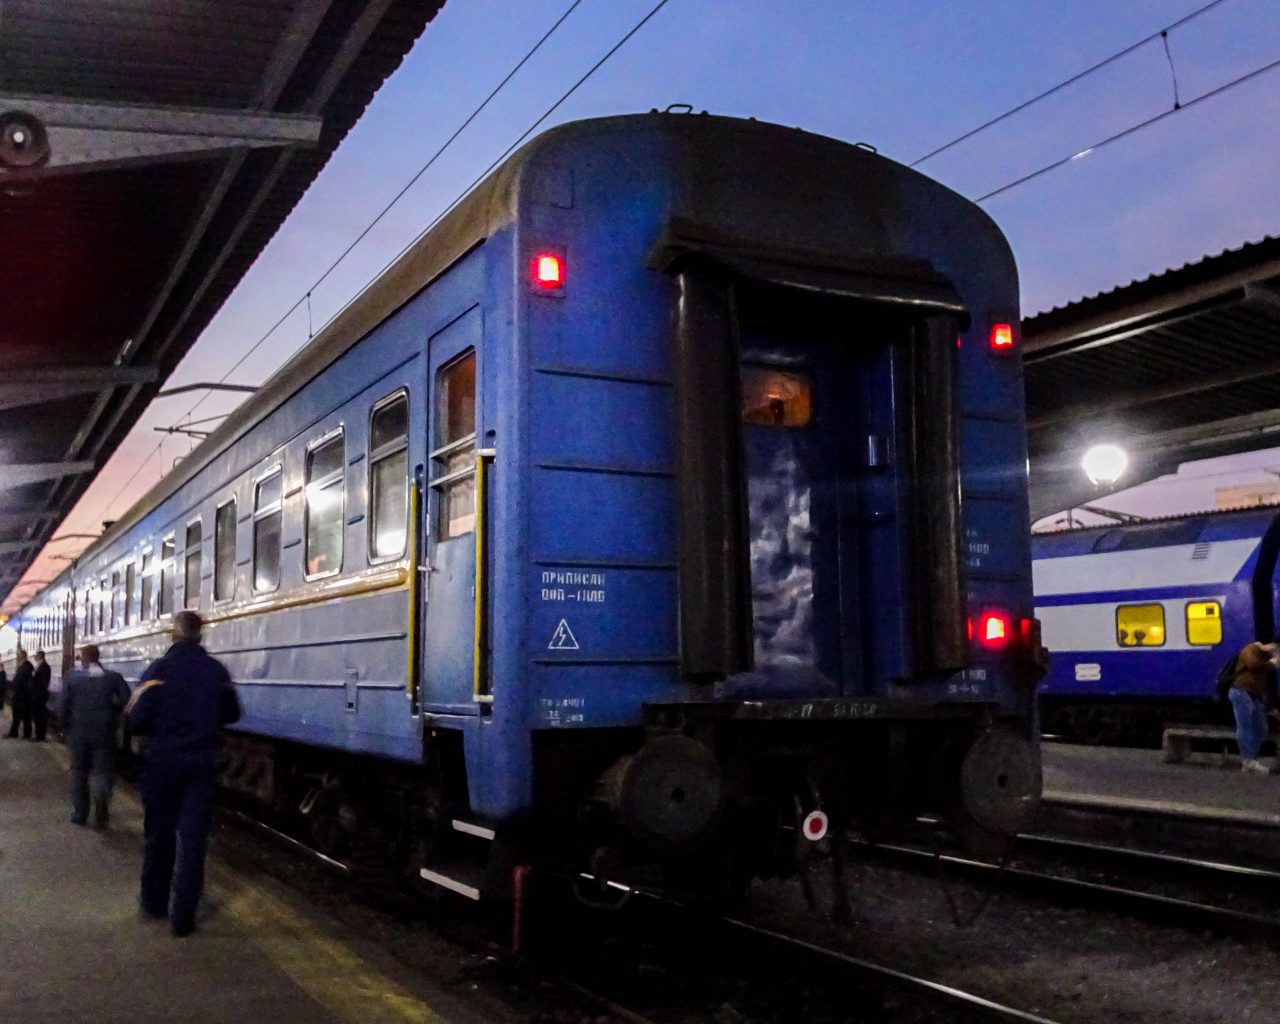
(664, 499)
(1141, 617)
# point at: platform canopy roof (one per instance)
(148, 153)
(1180, 366)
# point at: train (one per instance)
(1142, 616)
(659, 510)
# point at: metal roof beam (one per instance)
(297, 37)
(17, 474)
(23, 387)
(1148, 396)
(10, 520)
(1115, 324)
(84, 135)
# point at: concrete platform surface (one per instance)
(1140, 780)
(73, 949)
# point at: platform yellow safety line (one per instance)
(333, 975)
(326, 970)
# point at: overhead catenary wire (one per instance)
(1132, 129)
(306, 298)
(444, 213)
(1066, 83)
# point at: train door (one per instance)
(799, 388)
(449, 615)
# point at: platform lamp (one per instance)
(1104, 464)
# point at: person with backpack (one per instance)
(1248, 697)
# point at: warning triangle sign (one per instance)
(563, 639)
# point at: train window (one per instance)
(267, 505)
(325, 494)
(102, 604)
(224, 551)
(115, 599)
(1204, 623)
(192, 565)
(130, 579)
(147, 587)
(388, 478)
(455, 454)
(776, 398)
(1140, 625)
(166, 576)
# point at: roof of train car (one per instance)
(121, 249)
(1163, 531)
(486, 207)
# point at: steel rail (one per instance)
(1182, 913)
(914, 985)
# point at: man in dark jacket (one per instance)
(179, 708)
(4, 686)
(40, 696)
(20, 697)
(92, 701)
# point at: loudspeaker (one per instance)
(24, 143)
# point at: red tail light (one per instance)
(994, 629)
(548, 271)
(1001, 338)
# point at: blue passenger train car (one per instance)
(666, 496)
(1140, 617)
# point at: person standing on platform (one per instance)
(179, 708)
(4, 686)
(1248, 696)
(20, 696)
(89, 710)
(40, 696)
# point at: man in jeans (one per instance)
(179, 708)
(1248, 696)
(92, 700)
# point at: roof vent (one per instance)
(1200, 551)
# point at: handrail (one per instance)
(481, 690)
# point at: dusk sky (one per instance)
(905, 77)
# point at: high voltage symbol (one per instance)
(563, 639)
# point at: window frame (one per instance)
(277, 509)
(186, 556)
(1186, 620)
(374, 457)
(340, 431)
(144, 605)
(438, 457)
(1164, 625)
(803, 374)
(130, 581)
(115, 602)
(104, 596)
(172, 563)
(235, 546)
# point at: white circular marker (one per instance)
(814, 826)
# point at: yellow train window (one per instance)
(1140, 625)
(776, 398)
(1204, 622)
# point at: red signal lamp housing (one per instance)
(994, 630)
(548, 272)
(1002, 339)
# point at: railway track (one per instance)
(1194, 908)
(739, 942)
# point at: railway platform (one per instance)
(1139, 781)
(75, 948)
